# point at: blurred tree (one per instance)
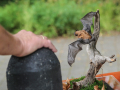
(4, 2)
(56, 17)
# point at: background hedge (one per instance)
(54, 18)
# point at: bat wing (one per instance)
(87, 21)
(73, 49)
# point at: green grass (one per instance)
(89, 87)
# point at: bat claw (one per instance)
(112, 56)
(97, 10)
(91, 62)
(70, 64)
(113, 60)
(93, 39)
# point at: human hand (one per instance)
(31, 42)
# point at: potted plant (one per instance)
(96, 58)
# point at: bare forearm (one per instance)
(23, 43)
(9, 45)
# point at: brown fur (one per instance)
(83, 34)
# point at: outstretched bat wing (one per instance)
(73, 49)
(87, 21)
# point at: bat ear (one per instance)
(75, 34)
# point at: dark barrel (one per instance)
(37, 71)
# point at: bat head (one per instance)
(83, 34)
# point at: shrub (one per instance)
(54, 18)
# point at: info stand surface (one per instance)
(37, 71)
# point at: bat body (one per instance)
(75, 47)
(84, 37)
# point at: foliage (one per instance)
(89, 87)
(54, 18)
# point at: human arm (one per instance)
(22, 43)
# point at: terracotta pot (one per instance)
(111, 80)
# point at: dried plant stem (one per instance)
(97, 60)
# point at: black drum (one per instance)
(38, 71)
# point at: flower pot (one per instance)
(111, 80)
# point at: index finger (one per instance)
(51, 46)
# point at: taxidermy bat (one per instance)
(84, 37)
(75, 47)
